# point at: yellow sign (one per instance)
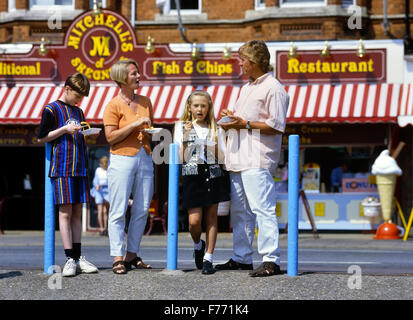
(295, 66)
(95, 38)
(14, 69)
(188, 67)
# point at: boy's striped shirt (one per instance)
(68, 151)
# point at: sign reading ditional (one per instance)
(341, 66)
(93, 43)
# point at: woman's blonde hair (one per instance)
(104, 162)
(257, 52)
(210, 118)
(119, 71)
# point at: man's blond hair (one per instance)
(256, 51)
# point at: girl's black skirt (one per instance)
(202, 191)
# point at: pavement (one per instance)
(188, 285)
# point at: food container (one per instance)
(371, 207)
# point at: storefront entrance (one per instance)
(22, 183)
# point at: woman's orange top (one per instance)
(118, 113)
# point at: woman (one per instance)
(131, 168)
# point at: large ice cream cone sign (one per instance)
(386, 170)
(386, 183)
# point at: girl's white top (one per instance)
(385, 164)
(202, 134)
(101, 177)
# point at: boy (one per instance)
(60, 125)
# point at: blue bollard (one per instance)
(49, 216)
(293, 186)
(173, 189)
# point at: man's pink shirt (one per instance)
(263, 100)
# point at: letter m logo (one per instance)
(100, 46)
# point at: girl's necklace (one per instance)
(128, 101)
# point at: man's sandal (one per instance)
(266, 269)
(137, 263)
(119, 267)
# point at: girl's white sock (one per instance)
(208, 257)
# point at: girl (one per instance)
(101, 194)
(205, 183)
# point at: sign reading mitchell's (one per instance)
(93, 43)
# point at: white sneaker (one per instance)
(85, 266)
(69, 270)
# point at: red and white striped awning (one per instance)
(24, 104)
(350, 103)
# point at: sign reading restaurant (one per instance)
(341, 66)
(93, 43)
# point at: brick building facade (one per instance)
(218, 21)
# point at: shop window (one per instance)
(348, 3)
(357, 159)
(186, 6)
(12, 5)
(259, 4)
(303, 3)
(42, 4)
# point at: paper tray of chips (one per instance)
(153, 130)
(91, 131)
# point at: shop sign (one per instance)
(341, 66)
(358, 185)
(311, 177)
(93, 43)
(337, 134)
(26, 69)
(26, 136)
(178, 68)
(17, 136)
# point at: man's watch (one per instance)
(248, 126)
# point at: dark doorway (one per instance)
(22, 182)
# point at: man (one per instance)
(252, 155)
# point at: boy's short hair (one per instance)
(78, 82)
(257, 52)
(119, 71)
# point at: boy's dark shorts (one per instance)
(70, 190)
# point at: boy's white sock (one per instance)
(198, 246)
(208, 257)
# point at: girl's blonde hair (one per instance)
(104, 162)
(119, 71)
(210, 118)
